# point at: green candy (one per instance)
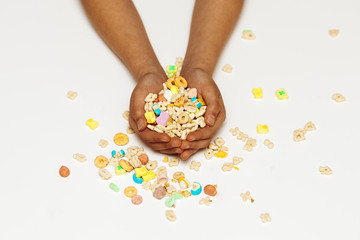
(114, 187)
(177, 196)
(170, 201)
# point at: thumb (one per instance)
(137, 113)
(212, 109)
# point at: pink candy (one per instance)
(162, 119)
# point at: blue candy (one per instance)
(193, 99)
(198, 105)
(137, 180)
(196, 189)
(157, 111)
(113, 153)
(122, 153)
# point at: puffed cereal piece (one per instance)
(219, 141)
(185, 193)
(170, 215)
(227, 167)
(246, 196)
(299, 135)
(80, 157)
(126, 115)
(337, 97)
(209, 153)
(173, 162)
(205, 201)
(250, 143)
(213, 147)
(104, 174)
(103, 143)
(227, 68)
(113, 161)
(265, 217)
(151, 165)
(310, 126)
(183, 118)
(135, 162)
(325, 170)
(237, 160)
(268, 144)
(195, 165)
(150, 97)
(179, 61)
(178, 175)
(334, 32)
(248, 35)
(161, 171)
(129, 130)
(125, 165)
(71, 95)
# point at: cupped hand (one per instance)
(214, 116)
(161, 142)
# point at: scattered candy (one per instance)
(268, 144)
(237, 160)
(130, 191)
(92, 124)
(143, 158)
(333, 32)
(71, 95)
(221, 154)
(170, 215)
(281, 94)
(114, 187)
(139, 172)
(126, 165)
(257, 93)
(149, 176)
(196, 188)
(104, 174)
(325, 170)
(121, 139)
(64, 171)
(119, 170)
(137, 200)
(126, 115)
(262, 128)
(160, 192)
(103, 143)
(80, 157)
(173, 162)
(183, 183)
(210, 190)
(227, 167)
(101, 161)
(205, 201)
(248, 35)
(337, 97)
(265, 217)
(136, 179)
(195, 166)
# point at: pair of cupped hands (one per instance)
(214, 116)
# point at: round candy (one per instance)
(121, 139)
(64, 171)
(137, 199)
(178, 175)
(196, 188)
(160, 192)
(137, 180)
(101, 161)
(210, 190)
(130, 191)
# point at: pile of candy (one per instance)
(176, 110)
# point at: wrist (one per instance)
(195, 74)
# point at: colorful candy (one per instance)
(136, 179)
(196, 189)
(114, 187)
(262, 128)
(281, 94)
(150, 117)
(92, 124)
(64, 171)
(149, 176)
(257, 93)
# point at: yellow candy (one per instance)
(170, 105)
(174, 89)
(149, 176)
(201, 100)
(166, 159)
(92, 123)
(236, 168)
(281, 94)
(171, 68)
(140, 172)
(221, 154)
(257, 93)
(150, 117)
(262, 128)
(119, 170)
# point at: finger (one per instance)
(213, 108)
(137, 109)
(149, 136)
(187, 153)
(171, 151)
(206, 132)
(174, 143)
(195, 144)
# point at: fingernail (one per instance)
(139, 124)
(211, 120)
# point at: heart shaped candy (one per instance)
(162, 119)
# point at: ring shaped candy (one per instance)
(151, 165)
(101, 161)
(180, 82)
(170, 82)
(121, 139)
(183, 118)
(130, 191)
(170, 215)
(196, 189)
(178, 175)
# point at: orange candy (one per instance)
(64, 171)
(210, 190)
(121, 139)
(143, 158)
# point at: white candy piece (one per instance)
(168, 94)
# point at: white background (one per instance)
(49, 47)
